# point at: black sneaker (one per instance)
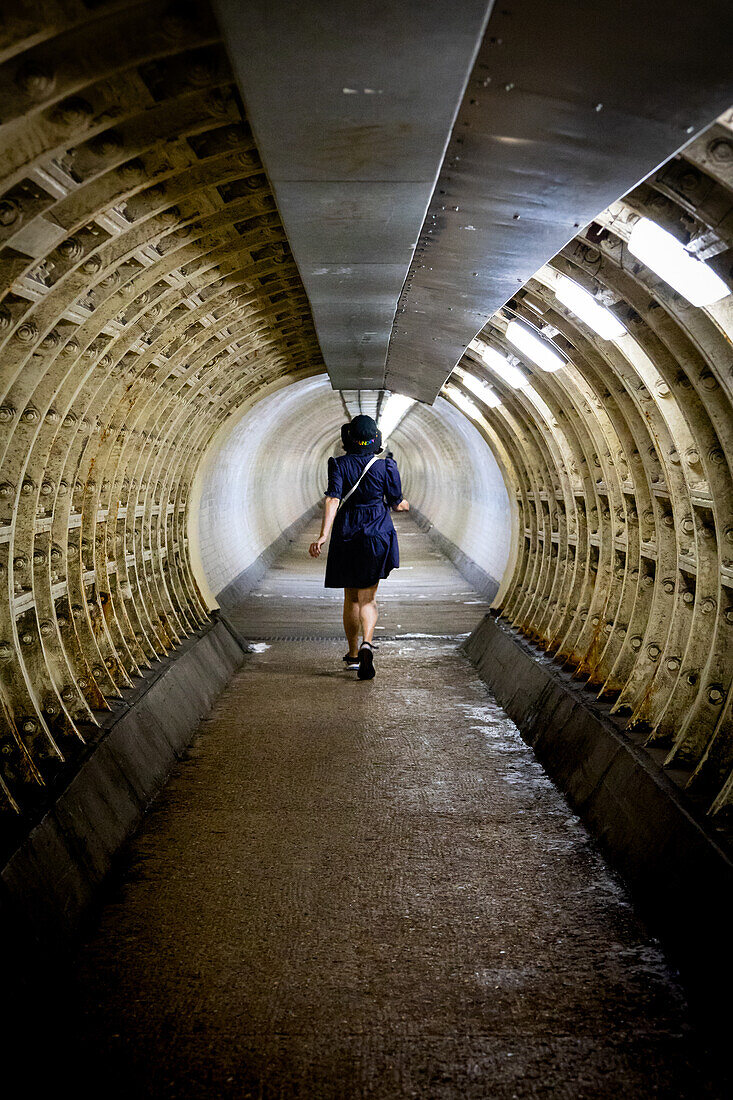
(351, 662)
(366, 663)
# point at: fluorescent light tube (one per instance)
(499, 365)
(538, 351)
(671, 261)
(461, 400)
(479, 387)
(393, 410)
(588, 310)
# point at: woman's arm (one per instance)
(393, 487)
(329, 515)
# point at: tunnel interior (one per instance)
(150, 302)
(166, 413)
(267, 468)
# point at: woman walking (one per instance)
(361, 489)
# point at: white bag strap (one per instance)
(355, 486)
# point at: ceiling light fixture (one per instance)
(459, 398)
(393, 410)
(587, 309)
(535, 349)
(499, 365)
(670, 260)
(477, 385)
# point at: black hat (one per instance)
(361, 436)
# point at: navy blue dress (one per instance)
(363, 547)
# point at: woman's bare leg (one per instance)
(368, 610)
(351, 619)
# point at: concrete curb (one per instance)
(52, 878)
(680, 876)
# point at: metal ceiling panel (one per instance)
(352, 104)
(569, 106)
(374, 220)
(356, 305)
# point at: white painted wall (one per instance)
(260, 474)
(268, 466)
(451, 475)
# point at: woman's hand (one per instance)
(403, 506)
(329, 515)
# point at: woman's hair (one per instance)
(361, 436)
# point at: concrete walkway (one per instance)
(371, 890)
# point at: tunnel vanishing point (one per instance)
(505, 232)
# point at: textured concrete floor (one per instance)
(371, 890)
(426, 595)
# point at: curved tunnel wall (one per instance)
(147, 292)
(620, 464)
(453, 478)
(260, 476)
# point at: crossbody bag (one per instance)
(355, 486)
